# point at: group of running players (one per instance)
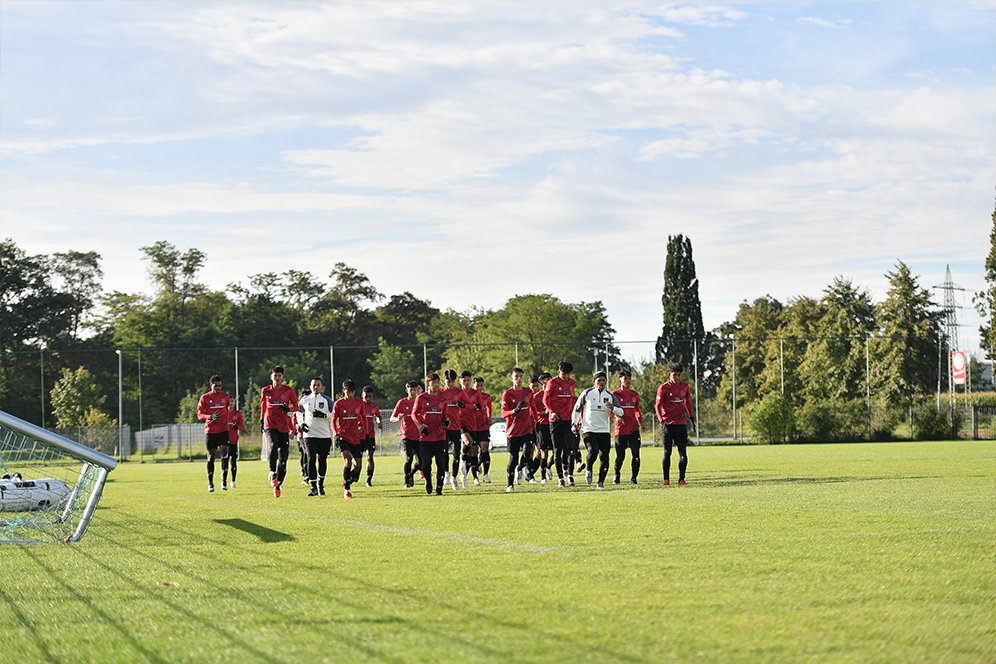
(447, 423)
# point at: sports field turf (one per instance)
(861, 553)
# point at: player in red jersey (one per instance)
(212, 409)
(544, 441)
(456, 437)
(409, 433)
(519, 427)
(483, 435)
(430, 415)
(472, 417)
(628, 426)
(277, 401)
(372, 424)
(674, 410)
(558, 397)
(349, 425)
(237, 424)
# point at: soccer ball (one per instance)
(27, 496)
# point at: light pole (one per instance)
(120, 404)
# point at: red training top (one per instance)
(273, 416)
(430, 410)
(403, 411)
(455, 414)
(486, 411)
(349, 419)
(538, 409)
(213, 410)
(558, 397)
(475, 417)
(674, 402)
(632, 417)
(521, 423)
(370, 422)
(236, 421)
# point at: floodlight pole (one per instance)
(425, 360)
(868, 394)
(332, 369)
(41, 372)
(606, 358)
(141, 447)
(734, 345)
(781, 361)
(237, 378)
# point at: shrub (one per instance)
(771, 420)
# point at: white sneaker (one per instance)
(532, 480)
(463, 481)
(233, 484)
(447, 478)
(587, 477)
(542, 481)
(518, 476)
(510, 489)
(477, 482)
(487, 480)
(600, 486)
(453, 484)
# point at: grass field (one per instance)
(861, 553)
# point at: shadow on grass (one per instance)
(262, 532)
(748, 481)
(29, 627)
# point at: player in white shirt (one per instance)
(592, 416)
(314, 415)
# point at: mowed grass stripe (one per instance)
(821, 552)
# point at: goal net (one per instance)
(49, 485)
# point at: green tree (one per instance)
(75, 393)
(391, 367)
(404, 319)
(799, 321)
(905, 354)
(985, 301)
(771, 419)
(682, 308)
(79, 274)
(757, 326)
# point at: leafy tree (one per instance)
(405, 319)
(799, 320)
(985, 301)
(391, 367)
(905, 355)
(75, 393)
(79, 274)
(757, 326)
(682, 308)
(771, 420)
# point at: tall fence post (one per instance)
(332, 370)
(606, 358)
(120, 403)
(695, 369)
(781, 361)
(237, 393)
(516, 353)
(41, 373)
(868, 383)
(734, 338)
(141, 421)
(425, 360)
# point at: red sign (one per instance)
(958, 366)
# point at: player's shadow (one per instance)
(757, 481)
(262, 532)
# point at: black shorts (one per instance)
(544, 440)
(411, 446)
(628, 440)
(318, 446)
(216, 439)
(519, 442)
(368, 444)
(481, 436)
(274, 437)
(355, 450)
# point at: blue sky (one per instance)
(549, 146)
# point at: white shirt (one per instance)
(318, 427)
(592, 410)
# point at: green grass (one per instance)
(859, 553)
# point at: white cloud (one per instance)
(823, 22)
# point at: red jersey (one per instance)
(475, 417)
(272, 398)
(632, 417)
(237, 424)
(538, 409)
(558, 397)
(454, 413)
(403, 411)
(674, 403)
(212, 409)
(430, 410)
(486, 411)
(370, 422)
(521, 423)
(349, 420)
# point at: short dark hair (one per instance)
(348, 385)
(276, 368)
(413, 383)
(449, 374)
(429, 377)
(517, 370)
(466, 374)
(214, 379)
(318, 378)
(545, 374)
(599, 374)
(480, 380)
(626, 372)
(566, 367)
(534, 378)
(368, 389)
(675, 367)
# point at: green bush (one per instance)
(771, 420)
(928, 424)
(984, 398)
(825, 421)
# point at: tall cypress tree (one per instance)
(985, 300)
(682, 309)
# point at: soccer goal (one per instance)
(49, 485)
